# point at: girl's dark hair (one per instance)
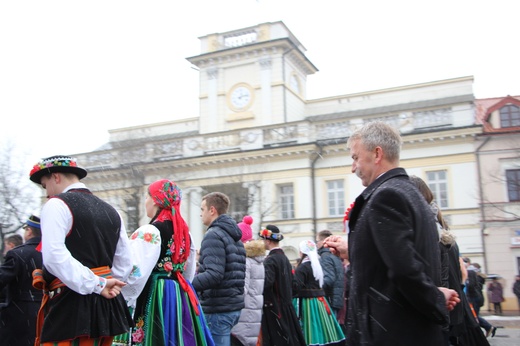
(428, 196)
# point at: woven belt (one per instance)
(56, 287)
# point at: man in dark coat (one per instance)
(393, 250)
(333, 274)
(474, 285)
(18, 316)
(516, 289)
(280, 325)
(222, 268)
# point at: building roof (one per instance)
(485, 107)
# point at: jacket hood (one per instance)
(226, 223)
(255, 248)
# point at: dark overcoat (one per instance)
(18, 316)
(395, 267)
(280, 325)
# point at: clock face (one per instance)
(240, 97)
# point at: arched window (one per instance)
(509, 116)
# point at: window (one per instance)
(438, 183)
(335, 197)
(513, 184)
(509, 116)
(286, 201)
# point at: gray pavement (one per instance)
(508, 328)
(506, 337)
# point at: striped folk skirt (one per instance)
(169, 318)
(319, 325)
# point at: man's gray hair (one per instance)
(379, 134)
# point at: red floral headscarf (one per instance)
(167, 195)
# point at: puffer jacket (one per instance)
(333, 278)
(222, 264)
(248, 327)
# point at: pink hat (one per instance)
(245, 227)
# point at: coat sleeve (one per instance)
(122, 263)
(8, 270)
(247, 280)
(145, 248)
(270, 273)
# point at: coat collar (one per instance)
(365, 195)
(381, 179)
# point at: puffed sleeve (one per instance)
(145, 248)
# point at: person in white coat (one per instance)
(246, 331)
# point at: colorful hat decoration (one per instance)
(271, 232)
(55, 164)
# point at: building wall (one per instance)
(284, 138)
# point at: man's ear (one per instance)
(56, 177)
(379, 154)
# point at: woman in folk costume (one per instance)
(165, 307)
(318, 322)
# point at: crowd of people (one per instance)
(396, 279)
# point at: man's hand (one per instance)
(452, 297)
(337, 245)
(112, 288)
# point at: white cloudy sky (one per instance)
(71, 70)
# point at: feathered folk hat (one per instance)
(56, 164)
(271, 232)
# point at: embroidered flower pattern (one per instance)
(170, 196)
(311, 246)
(146, 237)
(138, 334)
(102, 282)
(166, 264)
(136, 272)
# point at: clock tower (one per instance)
(251, 77)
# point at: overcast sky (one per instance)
(71, 70)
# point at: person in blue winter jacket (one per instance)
(222, 264)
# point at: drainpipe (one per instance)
(481, 195)
(313, 186)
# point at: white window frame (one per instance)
(438, 183)
(286, 201)
(336, 197)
